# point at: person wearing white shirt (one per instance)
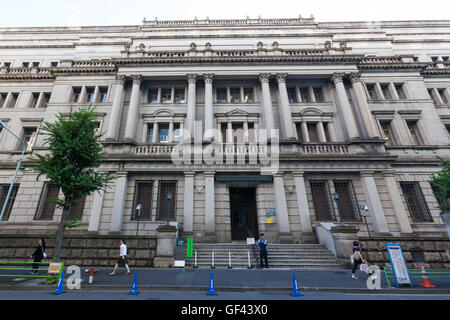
(123, 260)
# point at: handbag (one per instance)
(364, 267)
(43, 252)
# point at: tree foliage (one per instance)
(441, 181)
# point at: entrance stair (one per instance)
(280, 256)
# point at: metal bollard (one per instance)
(212, 260)
(229, 260)
(195, 259)
(249, 265)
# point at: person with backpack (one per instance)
(38, 255)
(123, 260)
(262, 245)
(357, 258)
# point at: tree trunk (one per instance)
(60, 236)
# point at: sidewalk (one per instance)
(234, 280)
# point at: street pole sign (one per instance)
(398, 264)
(190, 243)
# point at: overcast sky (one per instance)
(37, 13)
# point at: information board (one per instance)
(398, 264)
(55, 268)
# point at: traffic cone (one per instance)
(425, 281)
(295, 290)
(134, 289)
(212, 290)
(59, 287)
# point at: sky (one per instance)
(39, 13)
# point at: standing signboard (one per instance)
(398, 264)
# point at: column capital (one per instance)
(121, 79)
(281, 77)
(367, 173)
(337, 77)
(298, 174)
(279, 174)
(388, 173)
(264, 77)
(208, 77)
(192, 78)
(209, 173)
(189, 173)
(137, 79)
(355, 77)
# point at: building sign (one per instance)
(398, 264)
(270, 212)
(55, 268)
(269, 220)
(250, 241)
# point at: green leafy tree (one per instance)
(74, 154)
(441, 181)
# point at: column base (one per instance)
(285, 238)
(163, 262)
(208, 237)
(308, 238)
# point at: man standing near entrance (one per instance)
(262, 244)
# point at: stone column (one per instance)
(436, 96)
(165, 244)
(321, 132)
(190, 114)
(210, 223)
(393, 92)
(397, 203)
(119, 203)
(267, 103)
(171, 126)
(284, 231)
(285, 109)
(346, 109)
(133, 111)
(369, 122)
(116, 112)
(374, 203)
(96, 211)
(305, 133)
(188, 207)
(229, 132)
(155, 132)
(96, 93)
(209, 110)
(303, 208)
(82, 96)
(332, 131)
(380, 94)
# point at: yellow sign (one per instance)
(269, 220)
(54, 268)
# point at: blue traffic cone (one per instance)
(59, 287)
(212, 290)
(134, 289)
(295, 290)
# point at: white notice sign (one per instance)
(398, 264)
(250, 241)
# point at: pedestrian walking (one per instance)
(123, 260)
(357, 258)
(262, 245)
(38, 255)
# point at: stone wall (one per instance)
(433, 250)
(83, 250)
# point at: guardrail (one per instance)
(418, 274)
(22, 266)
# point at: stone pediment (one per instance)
(236, 112)
(163, 113)
(311, 112)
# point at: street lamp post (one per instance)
(169, 197)
(364, 209)
(138, 208)
(15, 174)
(336, 197)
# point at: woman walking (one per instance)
(357, 258)
(122, 261)
(38, 255)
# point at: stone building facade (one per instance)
(358, 109)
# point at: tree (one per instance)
(74, 154)
(441, 182)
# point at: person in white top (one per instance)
(122, 261)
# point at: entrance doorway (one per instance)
(243, 213)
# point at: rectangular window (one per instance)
(90, 94)
(447, 126)
(76, 91)
(326, 128)
(29, 137)
(318, 94)
(166, 95)
(143, 196)
(77, 207)
(179, 95)
(34, 99)
(12, 103)
(323, 207)
(387, 132)
(4, 188)
(238, 132)
(371, 91)
(298, 127)
(415, 200)
(414, 132)
(166, 187)
(386, 92)
(434, 59)
(248, 95)
(46, 99)
(348, 204)
(312, 132)
(153, 96)
(46, 207)
(163, 132)
(176, 132)
(235, 95)
(292, 96)
(304, 93)
(103, 91)
(221, 95)
(150, 134)
(3, 99)
(443, 97)
(223, 129)
(400, 91)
